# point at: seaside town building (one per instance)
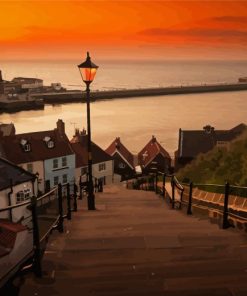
(153, 157)
(193, 142)
(123, 159)
(16, 186)
(48, 154)
(28, 83)
(102, 163)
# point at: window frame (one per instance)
(55, 160)
(57, 180)
(102, 166)
(64, 161)
(64, 180)
(50, 144)
(27, 147)
(30, 165)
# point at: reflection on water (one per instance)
(135, 120)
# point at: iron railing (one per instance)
(228, 201)
(43, 215)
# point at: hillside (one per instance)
(219, 165)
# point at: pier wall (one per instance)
(79, 96)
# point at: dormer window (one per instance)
(50, 144)
(25, 145)
(48, 141)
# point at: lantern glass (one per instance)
(88, 74)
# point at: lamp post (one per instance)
(88, 71)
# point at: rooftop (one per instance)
(150, 151)
(79, 146)
(10, 172)
(13, 146)
(117, 147)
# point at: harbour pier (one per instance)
(69, 96)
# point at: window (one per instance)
(50, 144)
(65, 179)
(30, 167)
(84, 171)
(55, 163)
(23, 195)
(102, 167)
(55, 180)
(27, 147)
(121, 165)
(64, 161)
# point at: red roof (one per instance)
(150, 151)
(13, 149)
(117, 147)
(8, 231)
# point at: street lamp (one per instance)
(88, 71)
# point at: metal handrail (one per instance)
(238, 187)
(8, 208)
(46, 194)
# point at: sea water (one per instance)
(135, 120)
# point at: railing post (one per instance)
(181, 198)
(173, 192)
(189, 212)
(164, 185)
(36, 242)
(156, 182)
(225, 213)
(75, 197)
(80, 188)
(60, 208)
(68, 202)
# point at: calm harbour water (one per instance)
(135, 120)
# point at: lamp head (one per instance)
(88, 70)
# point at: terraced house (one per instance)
(48, 154)
(123, 159)
(154, 157)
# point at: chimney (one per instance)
(153, 139)
(117, 142)
(1, 78)
(61, 127)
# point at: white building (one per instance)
(28, 83)
(48, 154)
(16, 186)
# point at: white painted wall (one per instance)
(107, 173)
(20, 211)
(69, 170)
(38, 167)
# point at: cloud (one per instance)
(230, 19)
(207, 34)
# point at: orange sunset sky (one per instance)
(123, 29)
